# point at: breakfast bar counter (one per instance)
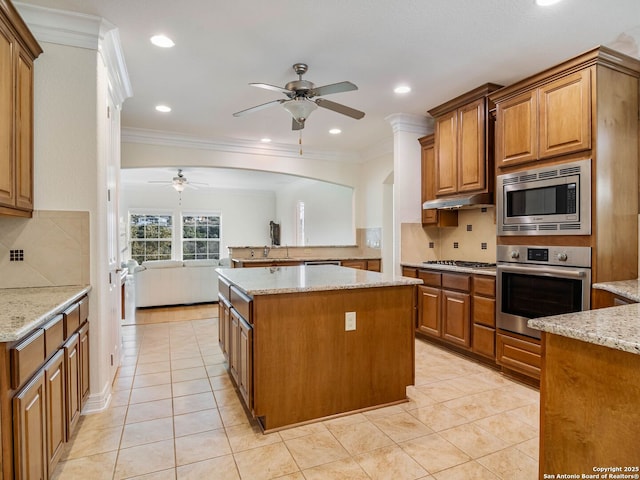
(590, 391)
(312, 342)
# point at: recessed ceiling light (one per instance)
(162, 41)
(265, 140)
(402, 89)
(546, 3)
(335, 131)
(163, 108)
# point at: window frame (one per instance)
(150, 213)
(201, 213)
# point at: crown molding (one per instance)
(170, 139)
(405, 122)
(79, 30)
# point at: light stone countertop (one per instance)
(625, 288)
(261, 259)
(309, 278)
(452, 268)
(24, 309)
(613, 327)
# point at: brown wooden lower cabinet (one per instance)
(234, 353)
(519, 353)
(484, 341)
(84, 363)
(456, 321)
(72, 377)
(56, 408)
(429, 301)
(30, 431)
(245, 360)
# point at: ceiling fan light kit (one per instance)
(301, 103)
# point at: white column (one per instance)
(407, 196)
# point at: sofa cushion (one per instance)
(162, 263)
(201, 263)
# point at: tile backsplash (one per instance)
(473, 239)
(53, 249)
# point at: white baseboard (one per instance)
(98, 402)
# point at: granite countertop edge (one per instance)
(629, 289)
(28, 322)
(490, 271)
(281, 280)
(613, 327)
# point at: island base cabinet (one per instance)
(306, 366)
(30, 433)
(589, 416)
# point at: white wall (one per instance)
(328, 213)
(370, 188)
(245, 214)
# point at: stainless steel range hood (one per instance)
(477, 200)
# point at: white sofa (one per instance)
(175, 282)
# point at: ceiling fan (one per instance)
(179, 182)
(301, 101)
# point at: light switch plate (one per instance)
(349, 321)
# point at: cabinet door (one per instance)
(358, 264)
(484, 311)
(565, 115)
(24, 132)
(456, 320)
(234, 351)
(29, 431)
(84, 363)
(429, 311)
(7, 167)
(221, 324)
(429, 216)
(72, 377)
(446, 154)
(519, 353)
(517, 129)
(56, 409)
(245, 373)
(471, 147)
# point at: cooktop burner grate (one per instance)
(460, 263)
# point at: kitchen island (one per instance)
(590, 392)
(312, 342)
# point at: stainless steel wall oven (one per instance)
(534, 281)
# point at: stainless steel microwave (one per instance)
(552, 200)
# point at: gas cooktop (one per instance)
(460, 263)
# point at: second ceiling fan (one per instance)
(301, 101)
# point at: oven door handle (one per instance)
(543, 270)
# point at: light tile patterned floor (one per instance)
(175, 415)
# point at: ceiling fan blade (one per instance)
(275, 88)
(296, 125)
(333, 88)
(258, 107)
(339, 108)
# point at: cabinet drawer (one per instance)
(484, 311)
(26, 358)
(456, 282)
(484, 285)
(242, 303)
(373, 265)
(410, 272)
(521, 355)
(71, 320)
(53, 335)
(223, 288)
(484, 341)
(430, 278)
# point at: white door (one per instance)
(112, 178)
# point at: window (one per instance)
(200, 237)
(151, 237)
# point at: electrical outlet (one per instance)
(349, 321)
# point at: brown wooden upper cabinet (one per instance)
(18, 50)
(464, 143)
(548, 119)
(432, 216)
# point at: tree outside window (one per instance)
(151, 237)
(200, 237)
